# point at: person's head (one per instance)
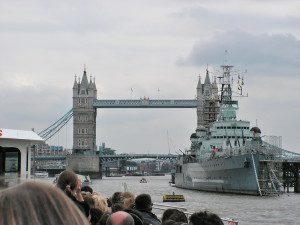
(88, 198)
(103, 219)
(100, 202)
(120, 218)
(128, 199)
(67, 181)
(168, 222)
(175, 215)
(96, 215)
(143, 202)
(87, 189)
(179, 216)
(117, 197)
(167, 213)
(117, 207)
(136, 215)
(205, 218)
(117, 202)
(37, 203)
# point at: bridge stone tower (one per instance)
(207, 102)
(84, 115)
(84, 159)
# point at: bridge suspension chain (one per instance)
(56, 126)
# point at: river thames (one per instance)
(245, 209)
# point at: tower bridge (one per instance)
(145, 103)
(54, 164)
(85, 105)
(107, 158)
(85, 160)
(84, 113)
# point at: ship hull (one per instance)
(235, 174)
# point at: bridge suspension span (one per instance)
(56, 126)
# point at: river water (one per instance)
(284, 209)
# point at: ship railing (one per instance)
(266, 150)
(163, 207)
(273, 178)
(235, 151)
(270, 151)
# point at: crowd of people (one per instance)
(68, 203)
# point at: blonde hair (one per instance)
(100, 202)
(128, 199)
(38, 203)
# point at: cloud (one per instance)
(224, 16)
(275, 53)
(134, 44)
(26, 107)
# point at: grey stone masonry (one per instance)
(84, 115)
(84, 164)
(208, 102)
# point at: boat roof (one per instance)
(19, 135)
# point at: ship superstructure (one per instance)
(226, 155)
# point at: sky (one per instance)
(146, 45)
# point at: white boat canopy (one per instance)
(15, 154)
(19, 135)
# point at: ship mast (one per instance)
(226, 92)
(228, 106)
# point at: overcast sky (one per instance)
(146, 45)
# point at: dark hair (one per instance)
(205, 218)
(67, 181)
(178, 216)
(167, 213)
(109, 204)
(38, 203)
(103, 219)
(96, 215)
(87, 189)
(117, 202)
(117, 207)
(117, 197)
(143, 202)
(88, 198)
(168, 222)
(136, 215)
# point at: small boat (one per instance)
(143, 180)
(173, 198)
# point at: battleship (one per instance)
(226, 154)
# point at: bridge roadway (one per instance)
(109, 158)
(146, 103)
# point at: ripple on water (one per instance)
(246, 209)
